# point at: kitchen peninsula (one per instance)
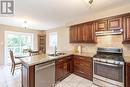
(64, 66)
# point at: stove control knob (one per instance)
(98, 59)
(94, 58)
(121, 63)
(117, 62)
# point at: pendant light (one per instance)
(25, 24)
(90, 1)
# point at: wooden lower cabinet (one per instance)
(28, 76)
(127, 75)
(64, 67)
(78, 65)
(83, 67)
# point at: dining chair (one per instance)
(26, 50)
(14, 62)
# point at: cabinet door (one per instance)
(101, 25)
(76, 65)
(73, 34)
(65, 69)
(59, 72)
(80, 33)
(127, 75)
(126, 27)
(68, 66)
(115, 23)
(89, 33)
(71, 65)
(83, 67)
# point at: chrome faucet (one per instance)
(55, 51)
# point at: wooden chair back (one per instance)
(12, 56)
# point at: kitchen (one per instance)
(94, 49)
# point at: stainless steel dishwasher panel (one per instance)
(45, 74)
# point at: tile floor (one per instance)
(7, 80)
(75, 81)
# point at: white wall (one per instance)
(98, 15)
(63, 39)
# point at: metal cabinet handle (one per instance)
(107, 64)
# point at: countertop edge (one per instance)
(58, 57)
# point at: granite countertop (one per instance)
(37, 59)
(127, 58)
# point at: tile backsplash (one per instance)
(113, 41)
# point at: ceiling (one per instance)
(48, 14)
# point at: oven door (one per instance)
(110, 73)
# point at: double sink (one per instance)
(57, 54)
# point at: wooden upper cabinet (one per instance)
(83, 33)
(73, 34)
(126, 27)
(80, 33)
(89, 33)
(101, 25)
(115, 23)
(109, 23)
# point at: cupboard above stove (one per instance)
(85, 32)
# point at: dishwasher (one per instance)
(45, 74)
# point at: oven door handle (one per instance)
(108, 64)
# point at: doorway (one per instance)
(17, 41)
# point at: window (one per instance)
(53, 39)
(17, 41)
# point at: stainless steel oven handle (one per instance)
(107, 64)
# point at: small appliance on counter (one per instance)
(79, 49)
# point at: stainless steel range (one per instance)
(108, 67)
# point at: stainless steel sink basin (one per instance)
(58, 54)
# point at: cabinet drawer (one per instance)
(62, 60)
(83, 68)
(83, 72)
(82, 63)
(87, 59)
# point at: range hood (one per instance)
(110, 32)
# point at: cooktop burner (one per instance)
(117, 57)
(114, 54)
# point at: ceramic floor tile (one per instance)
(75, 81)
(68, 79)
(7, 80)
(60, 84)
(68, 85)
(94, 85)
(85, 83)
